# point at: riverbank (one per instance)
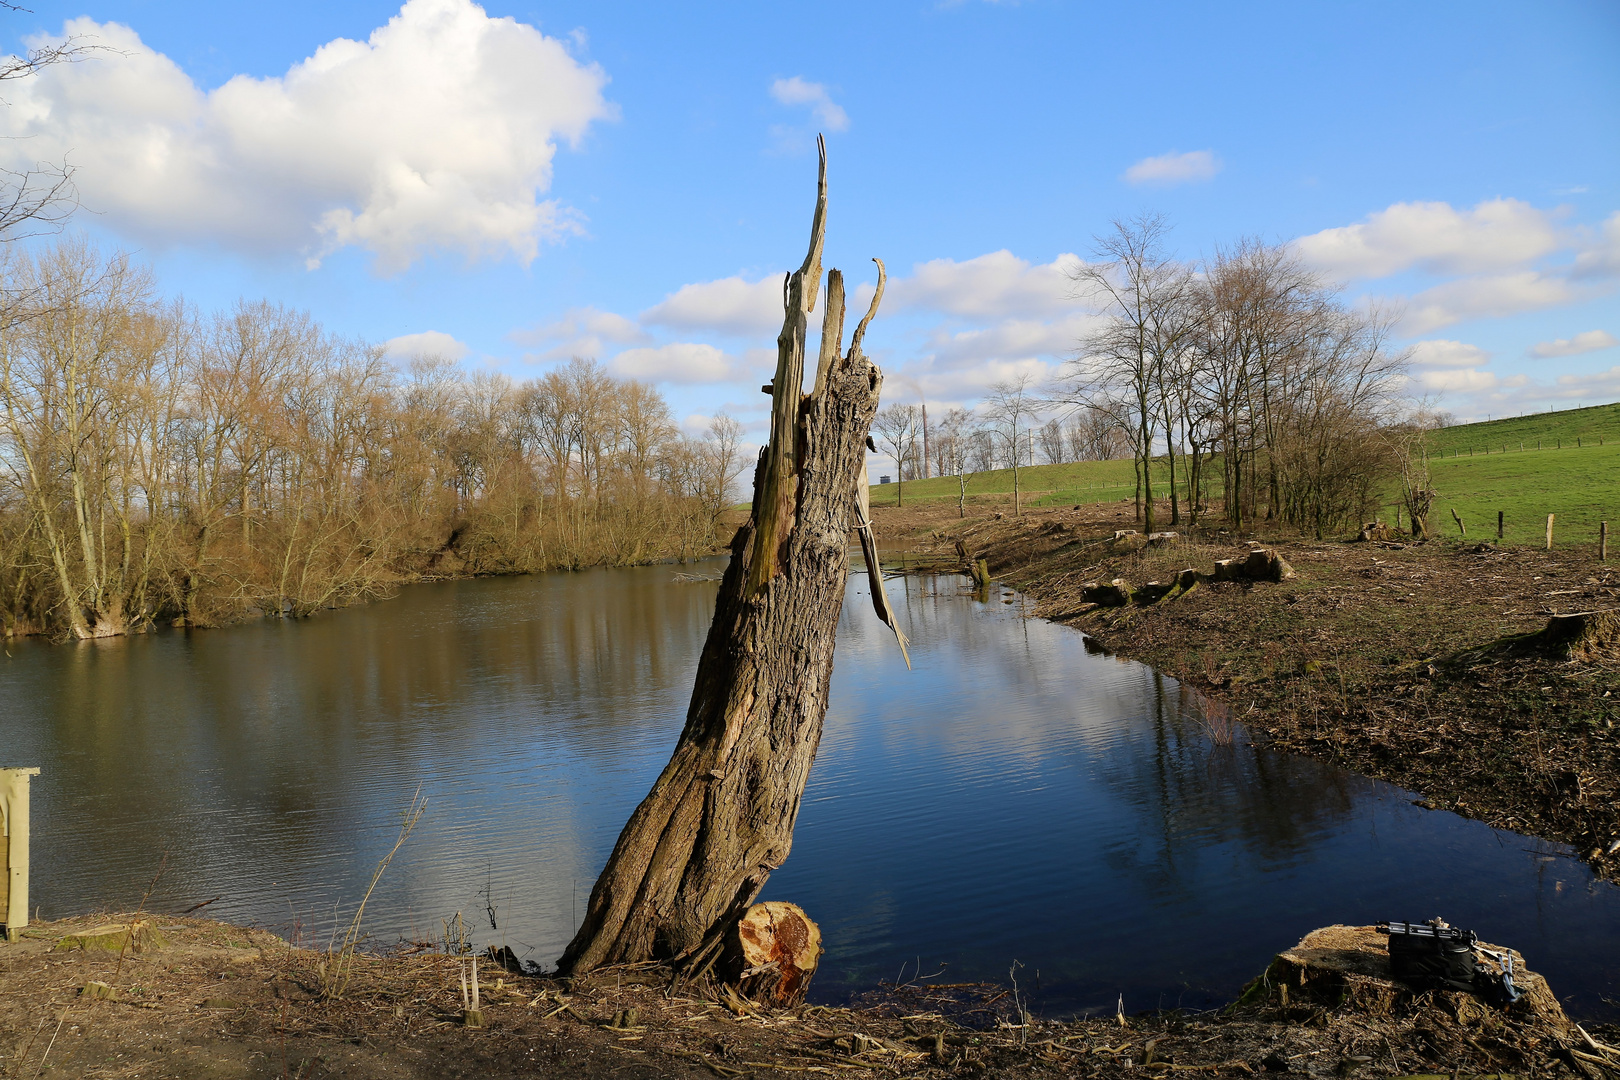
(1362, 659)
(220, 1001)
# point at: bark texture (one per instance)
(720, 817)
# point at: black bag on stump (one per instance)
(1432, 955)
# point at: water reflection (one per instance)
(1016, 796)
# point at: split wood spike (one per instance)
(719, 818)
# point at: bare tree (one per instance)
(897, 427)
(720, 817)
(1121, 368)
(1008, 408)
(1053, 443)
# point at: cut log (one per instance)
(139, 936)
(1116, 593)
(773, 953)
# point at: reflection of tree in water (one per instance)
(1203, 784)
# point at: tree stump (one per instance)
(1340, 966)
(772, 953)
(1584, 635)
(1264, 564)
(139, 936)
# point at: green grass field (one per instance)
(1578, 484)
(1575, 476)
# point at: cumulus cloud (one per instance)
(1591, 341)
(437, 133)
(681, 362)
(585, 331)
(1601, 257)
(1466, 380)
(728, 306)
(429, 343)
(1599, 386)
(1170, 169)
(1440, 353)
(1495, 235)
(829, 115)
(1492, 295)
(997, 285)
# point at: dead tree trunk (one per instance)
(720, 817)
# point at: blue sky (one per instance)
(516, 183)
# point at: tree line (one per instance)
(1243, 381)
(162, 465)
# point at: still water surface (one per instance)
(1014, 797)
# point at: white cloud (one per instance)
(1166, 170)
(1440, 353)
(1495, 235)
(997, 285)
(433, 343)
(1598, 386)
(436, 134)
(681, 362)
(1013, 340)
(1591, 341)
(1488, 296)
(582, 331)
(1601, 257)
(729, 306)
(1467, 380)
(795, 91)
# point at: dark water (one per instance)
(1014, 797)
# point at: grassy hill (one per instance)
(1575, 476)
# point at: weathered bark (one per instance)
(720, 817)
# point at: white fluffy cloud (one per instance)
(1440, 353)
(1495, 235)
(1169, 169)
(585, 331)
(1465, 380)
(1598, 386)
(681, 362)
(436, 134)
(1492, 295)
(433, 343)
(997, 285)
(826, 112)
(728, 306)
(1601, 257)
(1591, 341)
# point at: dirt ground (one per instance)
(218, 1001)
(1357, 660)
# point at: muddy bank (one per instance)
(214, 1000)
(1373, 657)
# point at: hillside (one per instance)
(1575, 475)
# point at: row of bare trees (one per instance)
(1246, 364)
(1244, 379)
(161, 465)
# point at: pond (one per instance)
(1017, 796)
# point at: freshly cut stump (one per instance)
(773, 953)
(1583, 635)
(139, 936)
(1349, 965)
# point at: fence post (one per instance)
(14, 850)
(1603, 541)
(1499, 524)
(1549, 532)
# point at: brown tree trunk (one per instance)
(720, 817)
